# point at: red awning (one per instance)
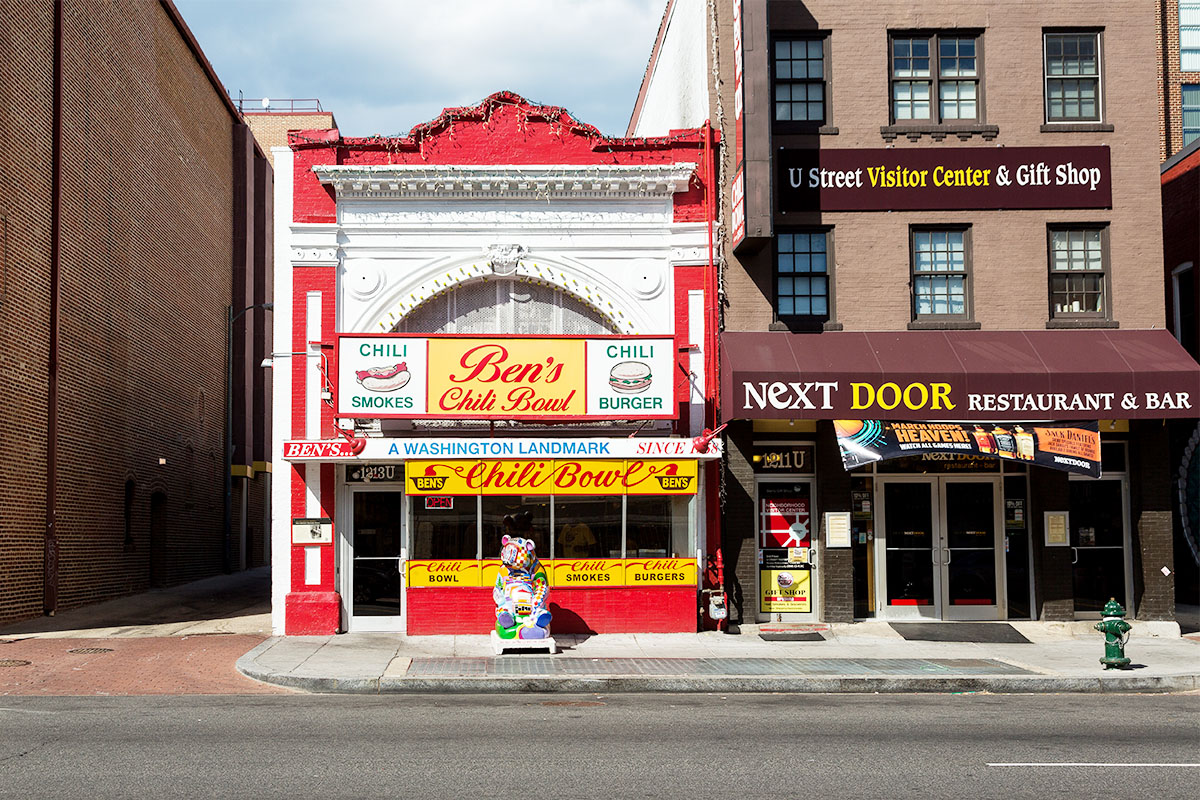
(958, 375)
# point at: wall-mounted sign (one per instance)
(396, 376)
(837, 528)
(383, 449)
(784, 458)
(312, 530)
(559, 477)
(943, 179)
(367, 473)
(1071, 447)
(785, 515)
(1057, 528)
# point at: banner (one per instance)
(397, 376)
(1071, 447)
(587, 573)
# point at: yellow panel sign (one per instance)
(507, 377)
(454, 574)
(660, 572)
(785, 590)
(586, 572)
(661, 477)
(583, 477)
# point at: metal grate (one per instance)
(90, 650)
(551, 665)
(13, 662)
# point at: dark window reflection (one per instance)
(535, 526)
(445, 528)
(587, 527)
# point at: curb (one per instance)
(733, 684)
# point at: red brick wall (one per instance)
(145, 280)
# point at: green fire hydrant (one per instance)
(1116, 634)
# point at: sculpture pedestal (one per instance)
(500, 645)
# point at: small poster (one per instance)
(785, 591)
(1014, 513)
(785, 518)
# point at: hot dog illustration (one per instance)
(384, 379)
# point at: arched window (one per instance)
(505, 306)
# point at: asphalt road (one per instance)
(722, 746)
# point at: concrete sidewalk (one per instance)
(859, 657)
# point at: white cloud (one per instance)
(382, 67)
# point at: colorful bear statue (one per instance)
(521, 592)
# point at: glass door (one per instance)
(909, 524)
(787, 578)
(376, 559)
(971, 555)
(1098, 544)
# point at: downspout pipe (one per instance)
(50, 539)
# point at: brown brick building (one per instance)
(1178, 50)
(135, 209)
(944, 217)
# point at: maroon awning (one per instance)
(958, 375)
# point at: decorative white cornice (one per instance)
(592, 182)
(309, 256)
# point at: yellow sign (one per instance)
(785, 590)
(586, 572)
(512, 377)
(455, 574)
(488, 570)
(660, 572)
(661, 477)
(441, 477)
(583, 477)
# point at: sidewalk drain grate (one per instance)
(13, 662)
(90, 651)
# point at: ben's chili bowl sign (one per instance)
(462, 377)
(587, 477)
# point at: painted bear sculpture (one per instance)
(521, 592)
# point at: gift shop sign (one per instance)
(943, 179)
(461, 377)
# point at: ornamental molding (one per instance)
(308, 256)
(504, 258)
(592, 182)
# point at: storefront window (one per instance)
(445, 528)
(656, 527)
(587, 527)
(495, 509)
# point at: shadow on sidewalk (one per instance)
(216, 599)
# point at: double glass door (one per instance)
(373, 591)
(940, 548)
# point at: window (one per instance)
(799, 88)
(1189, 35)
(1077, 272)
(935, 77)
(1191, 112)
(1072, 77)
(802, 274)
(939, 263)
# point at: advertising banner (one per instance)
(397, 376)
(1071, 447)
(785, 580)
(394, 450)
(559, 477)
(939, 178)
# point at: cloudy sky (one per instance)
(383, 66)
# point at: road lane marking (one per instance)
(1086, 764)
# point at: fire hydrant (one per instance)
(1116, 634)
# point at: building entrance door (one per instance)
(787, 561)
(1098, 564)
(373, 589)
(939, 548)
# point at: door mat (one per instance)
(984, 632)
(812, 636)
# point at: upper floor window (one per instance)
(1072, 71)
(799, 80)
(1189, 35)
(941, 267)
(1191, 112)
(935, 77)
(1078, 270)
(802, 275)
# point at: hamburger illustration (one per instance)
(630, 377)
(384, 379)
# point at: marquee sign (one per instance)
(396, 376)
(939, 179)
(559, 477)
(394, 450)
